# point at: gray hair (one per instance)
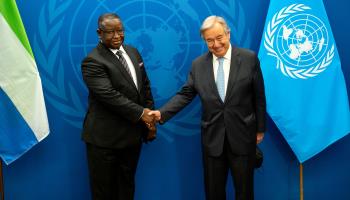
(210, 21)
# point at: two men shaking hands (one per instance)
(151, 117)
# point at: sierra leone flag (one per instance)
(23, 118)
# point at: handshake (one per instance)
(150, 118)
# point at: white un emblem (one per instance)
(299, 41)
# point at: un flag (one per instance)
(305, 88)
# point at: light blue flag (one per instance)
(305, 88)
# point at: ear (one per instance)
(99, 32)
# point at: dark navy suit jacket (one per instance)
(239, 117)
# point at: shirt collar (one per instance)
(121, 48)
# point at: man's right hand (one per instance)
(146, 117)
(156, 114)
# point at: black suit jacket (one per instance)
(239, 117)
(115, 103)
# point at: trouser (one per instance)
(112, 172)
(216, 172)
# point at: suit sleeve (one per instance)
(180, 100)
(146, 84)
(99, 85)
(259, 97)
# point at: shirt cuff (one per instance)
(141, 114)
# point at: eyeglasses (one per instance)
(211, 41)
(113, 32)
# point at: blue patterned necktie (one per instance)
(220, 79)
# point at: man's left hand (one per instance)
(152, 131)
(259, 137)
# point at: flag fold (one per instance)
(305, 87)
(23, 118)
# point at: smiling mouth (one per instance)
(116, 42)
(219, 49)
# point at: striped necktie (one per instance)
(123, 61)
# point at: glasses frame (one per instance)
(112, 32)
(210, 42)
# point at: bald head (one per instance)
(105, 16)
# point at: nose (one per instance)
(116, 35)
(216, 43)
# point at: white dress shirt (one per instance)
(226, 66)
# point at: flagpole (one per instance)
(1, 182)
(301, 181)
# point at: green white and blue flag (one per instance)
(23, 118)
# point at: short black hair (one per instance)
(106, 16)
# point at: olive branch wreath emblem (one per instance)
(60, 92)
(270, 39)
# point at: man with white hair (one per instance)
(230, 85)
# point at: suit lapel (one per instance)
(210, 75)
(116, 63)
(234, 71)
